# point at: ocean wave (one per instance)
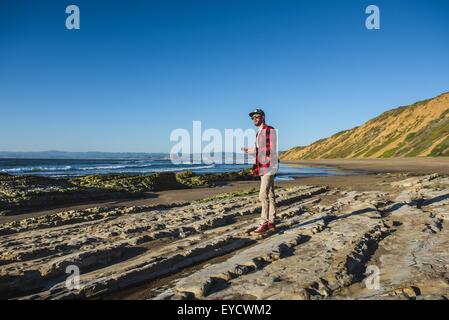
(36, 169)
(185, 168)
(125, 168)
(167, 169)
(115, 167)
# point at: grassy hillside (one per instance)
(421, 129)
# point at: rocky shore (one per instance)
(19, 193)
(327, 241)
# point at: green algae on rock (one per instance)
(36, 192)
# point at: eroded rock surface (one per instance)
(326, 241)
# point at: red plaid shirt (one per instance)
(266, 152)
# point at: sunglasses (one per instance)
(256, 117)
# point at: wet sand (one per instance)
(394, 165)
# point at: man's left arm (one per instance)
(273, 149)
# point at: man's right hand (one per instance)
(249, 150)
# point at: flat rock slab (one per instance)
(325, 243)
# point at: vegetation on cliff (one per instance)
(420, 129)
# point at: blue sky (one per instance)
(136, 70)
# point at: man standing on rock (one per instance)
(266, 167)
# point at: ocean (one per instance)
(80, 167)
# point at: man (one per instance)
(266, 166)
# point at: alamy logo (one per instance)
(211, 146)
(372, 280)
(372, 22)
(208, 146)
(73, 280)
(73, 20)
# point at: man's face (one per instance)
(257, 119)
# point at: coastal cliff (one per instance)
(417, 130)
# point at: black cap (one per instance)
(257, 111)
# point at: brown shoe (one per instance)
(261, 229)
(271, 226)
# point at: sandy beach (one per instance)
(422, 165)
(196, 243)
